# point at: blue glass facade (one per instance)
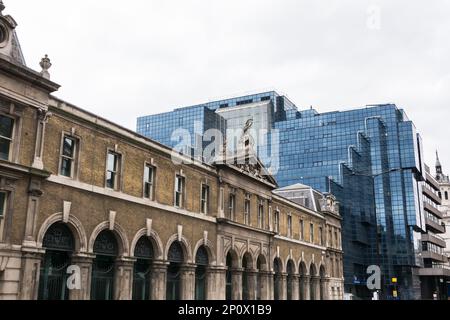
(370, 158)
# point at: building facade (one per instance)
(91, 210)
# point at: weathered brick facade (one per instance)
(262, 264)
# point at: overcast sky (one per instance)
(124, 59)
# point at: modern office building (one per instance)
(435, 274)
(370, 158)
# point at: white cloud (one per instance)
(126, 59)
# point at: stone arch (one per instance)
(121, 236)
(263, 261)
(302, 268)
(248, 257)
(209, 246)
(313, 270)
(288, 260)
(303, 274)
(185, 245)
(79, 234)
(314, 282)
(290, 266)
(322, 271)
(281, 262)
(234, 255)
(154, 239)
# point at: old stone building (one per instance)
(81, 194)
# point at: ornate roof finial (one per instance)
(45, 65)
(2, 7)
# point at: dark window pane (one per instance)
(6, 126)
(110, 177)
(68, 147)
(147, 190)
(2, 203)
(5, 146)
(66, 167)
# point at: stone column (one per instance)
(216, 283)
(187, 282)
(159, 278)
(84, 262)
(236, 279)
(29, 279)
(123, 282)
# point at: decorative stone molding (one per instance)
(112, 219)
(158, 248)
(118, 230)
(149, 227)
(81, 243)
(66, 211)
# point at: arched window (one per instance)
(277, 279)
(106, 251)
(247, 266)
(440, 195)
(202, 262)
(59, 246)
(176, 258)
(143, 252)
(261, 265)
(229, 277)
(446, 195)
(313, 282)
(302, 282)
(290, 280)
(322, 283)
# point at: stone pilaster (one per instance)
(265, 280)
(84, 262)
(42, 119)
(252, 283)
(124, 278)
(187, 282)
(31, 266)
(305, 282)
(159, 278)
(215, 283)
(34, 194)
(325, 288)
(315, 288)
(283, 287)
(293, 281)
(236, 275)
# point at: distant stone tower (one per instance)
(9, 43)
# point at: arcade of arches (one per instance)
(246, 276)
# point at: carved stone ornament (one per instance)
(45, 65)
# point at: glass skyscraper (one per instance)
(371, 159)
